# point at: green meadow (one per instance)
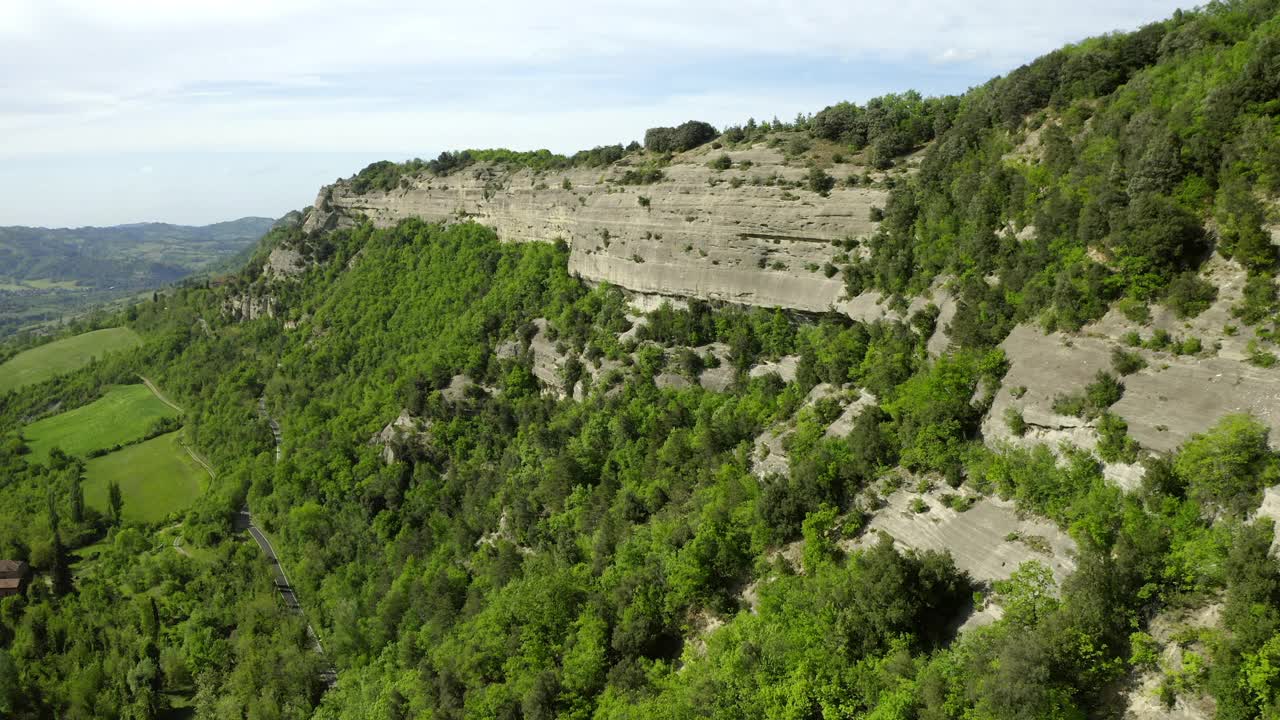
(41, 363)
(124, 414)
(156, 477)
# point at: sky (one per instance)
(196, 111)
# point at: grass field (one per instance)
(41, 363)
(125, 413)
(156, 478)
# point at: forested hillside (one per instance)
(503, 492)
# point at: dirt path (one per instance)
(159, 395)
(182, 441)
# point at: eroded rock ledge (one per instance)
(716, 235)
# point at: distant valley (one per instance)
(48, 273)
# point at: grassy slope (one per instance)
(123, 414)
(156, 478)
(41, 363)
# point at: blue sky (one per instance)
(195, 111)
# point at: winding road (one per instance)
(244, 521)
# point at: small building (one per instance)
(13, 577)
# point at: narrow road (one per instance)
(275, 426)
(244, 521)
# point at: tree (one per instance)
(115, 502)
(819, 545)
(77, 498)
(10, 687)
(1228, 466)
(1028, 596)
(686, 136)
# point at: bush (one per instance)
(1017, 424)
(820, 182)
(1097, 396)
(1259, 302)
(720, 162)
(1114, 443)
(1189, 295)
(1229, 465)
(1125, 362)
(686, 136)
(798, 145)
(1135, 310)
(1260, 357)
(643, 175)
(876, 214)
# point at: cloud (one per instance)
(955, 55)
(413, 77)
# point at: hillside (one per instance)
(53, 272)
(946, 408)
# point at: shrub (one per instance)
(820, 182)
(798, 145)
(876, 214)
(1135, 310)
(1097, 396)
(1260, 357)
(643, 175)
(686, 136)
(720, 162)
(1114, 443)
(1126, 362)
(1259, 301)
(1189, 295)
(1017, 424)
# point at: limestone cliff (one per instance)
(752, 234)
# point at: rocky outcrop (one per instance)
(284, 262)
(1164, 404)
(249, 306)
(403, 432)
(745, 235)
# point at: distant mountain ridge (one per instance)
(48, 272)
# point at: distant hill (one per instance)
(49, 272)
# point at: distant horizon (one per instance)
(193, 113)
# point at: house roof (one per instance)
(12, 568)
(10, 583)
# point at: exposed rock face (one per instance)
(751, 244)
(398, 434)
(250, 306)
(979, 538)
(1163, 406)
(284, 262)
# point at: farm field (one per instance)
(41, 363)
(125, 413)
(156, 478)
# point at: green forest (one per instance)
(529, 555)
